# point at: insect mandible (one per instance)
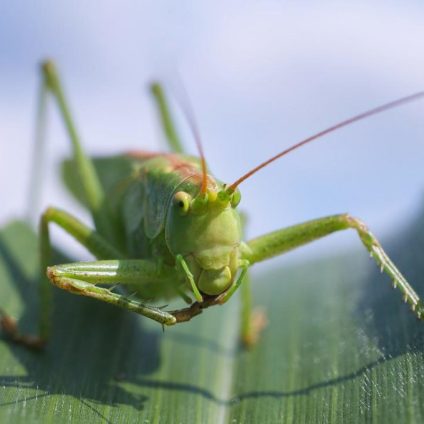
(166, 228)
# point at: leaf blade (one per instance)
(340, 347)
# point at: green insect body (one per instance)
(157, 208)
(164, 228)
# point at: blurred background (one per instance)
(261, 75)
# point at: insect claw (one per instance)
(394, 284)
(414, 305)
(405, 298)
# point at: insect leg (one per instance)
(166, 119)
(85, 171)
(89, 238)
(81, 278)
(246, 310)
(246, 299)
(252, 321)
(286, 239)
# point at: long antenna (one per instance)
(185, 105)
(341, 124)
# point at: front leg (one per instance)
(81, 278)
(88, 238)
(281, 241)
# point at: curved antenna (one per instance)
(341, 124)
(189, 114)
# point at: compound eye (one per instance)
(235, 198)
(182, 201)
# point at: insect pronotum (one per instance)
(164, 227)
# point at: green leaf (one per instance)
(340, 347)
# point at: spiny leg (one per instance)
(166, 118)
(286, 239)
(81, 278)
(87, 237)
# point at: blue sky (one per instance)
(261, 76)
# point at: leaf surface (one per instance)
(340, 347)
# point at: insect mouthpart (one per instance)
(214, 281)
(216, 268)
(227, 196)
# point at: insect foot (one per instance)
(196, 308)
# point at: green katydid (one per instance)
(164, 228)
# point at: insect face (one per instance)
(205, 230)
